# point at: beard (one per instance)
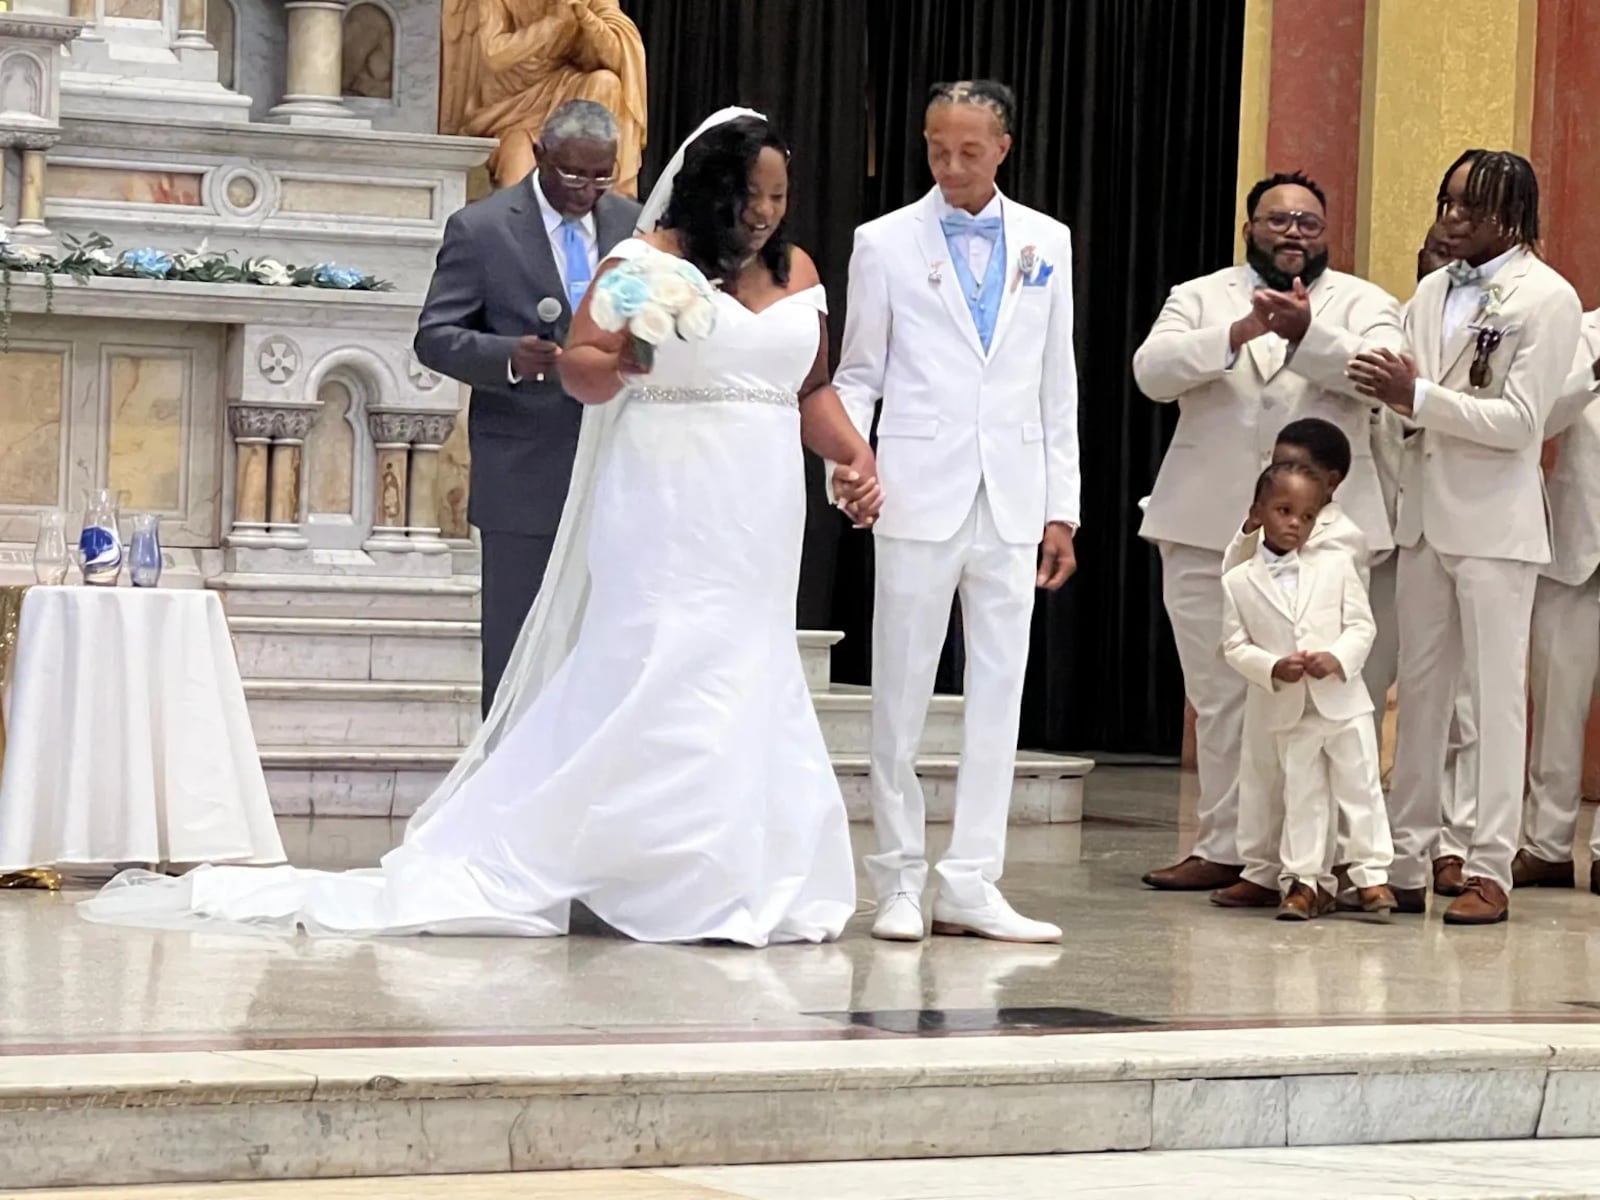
(1274, 276)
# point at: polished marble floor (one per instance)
(1132, 959)
(1440, 1171)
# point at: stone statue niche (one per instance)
(508, 64)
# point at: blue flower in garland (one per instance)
(330, 276)
(148, 263)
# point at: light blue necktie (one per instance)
(576, 252)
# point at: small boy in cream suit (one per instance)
(1299, 629)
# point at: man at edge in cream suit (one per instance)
(1493, 337)
(1566, 633)
(1243, 352)
(960, 321)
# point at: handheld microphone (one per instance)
(549, 312)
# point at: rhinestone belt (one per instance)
(655, 394)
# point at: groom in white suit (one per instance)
(960, 321)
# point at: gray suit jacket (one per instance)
(493, 269)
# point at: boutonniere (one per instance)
(1032, 271)
(1491, 302)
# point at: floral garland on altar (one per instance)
(92, 257)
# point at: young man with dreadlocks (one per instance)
(1493, 338)
(961, 324)
(1243, 352)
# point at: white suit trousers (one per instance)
(1330, 782)
(1565, 657)
(916, 582)
(1191, 586)
(1460, 613)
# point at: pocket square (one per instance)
(1040, 277)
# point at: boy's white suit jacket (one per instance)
(1330, 613)
(1229, 416)
(954, 417)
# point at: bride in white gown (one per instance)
(653, 752)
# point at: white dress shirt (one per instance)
(1460, 307)
(1284, 569)
(976, 250)
(552, 229)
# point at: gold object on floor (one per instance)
(10, 622)
(42, 879)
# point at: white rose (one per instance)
(100, 258)
(652, 324)
(604, 311)
(671, 291)
(698, 320)
(271, 272)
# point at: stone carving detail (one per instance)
(21, 86)
(433, 429)
(294, 423)
(421, 377)
(280, 359)
(368, 52)
(393, 428)
(251, 422)
(509, 64)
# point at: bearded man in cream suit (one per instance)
(1243, 352)
(960, 321)
(1565, 633)
(1494, 337)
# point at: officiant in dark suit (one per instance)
(542, 238)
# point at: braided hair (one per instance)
(982, 93)
(1279, 470)
(1502, 186)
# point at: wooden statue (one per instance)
(508, 64)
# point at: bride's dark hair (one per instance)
(709, 197)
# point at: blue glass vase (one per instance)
(100, 545)
(144, 554)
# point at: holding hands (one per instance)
(856, 490)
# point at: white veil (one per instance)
(551, 628)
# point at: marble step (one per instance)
(390, 649)
(376, 781)
(433, 714)
(373, 1110)
(250, 595)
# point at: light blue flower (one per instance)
(331, 276)
(627, 291)
(148, 262)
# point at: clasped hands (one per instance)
(1302, 664)
(1287, 314)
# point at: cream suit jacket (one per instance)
(1330, 614)
(1229, 418)
(955, 417)
(1574, 484)
(1470, 481)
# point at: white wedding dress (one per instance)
(667, 769)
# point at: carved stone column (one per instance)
(289, 431)
(392, 434)
(30, 203)
(192, 25)
(432, 431)
(252, 430)
(314, 82)
(30, 106)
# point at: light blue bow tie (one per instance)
(1463, 273)
(1282, 566)
(987, 228)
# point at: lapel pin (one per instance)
(936, 273)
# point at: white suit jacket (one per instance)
(1334, 532)
(955, 417)
(1470, 481)
(1331, 613)
(1229, 418)
(1574, 484)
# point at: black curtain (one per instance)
(1128, 132)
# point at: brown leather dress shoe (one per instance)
(1411, 902)
(1376, 899)
(1245, 894)
(1302, 902)
(1483, 903)
(1449, 876)
(1528, 870)
(1193, 874)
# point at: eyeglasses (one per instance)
(1309, 224)
(600, 183)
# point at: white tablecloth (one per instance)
(128, 740)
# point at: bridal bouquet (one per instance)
(654, 297)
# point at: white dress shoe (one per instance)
(899, 919)
(996, 920)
